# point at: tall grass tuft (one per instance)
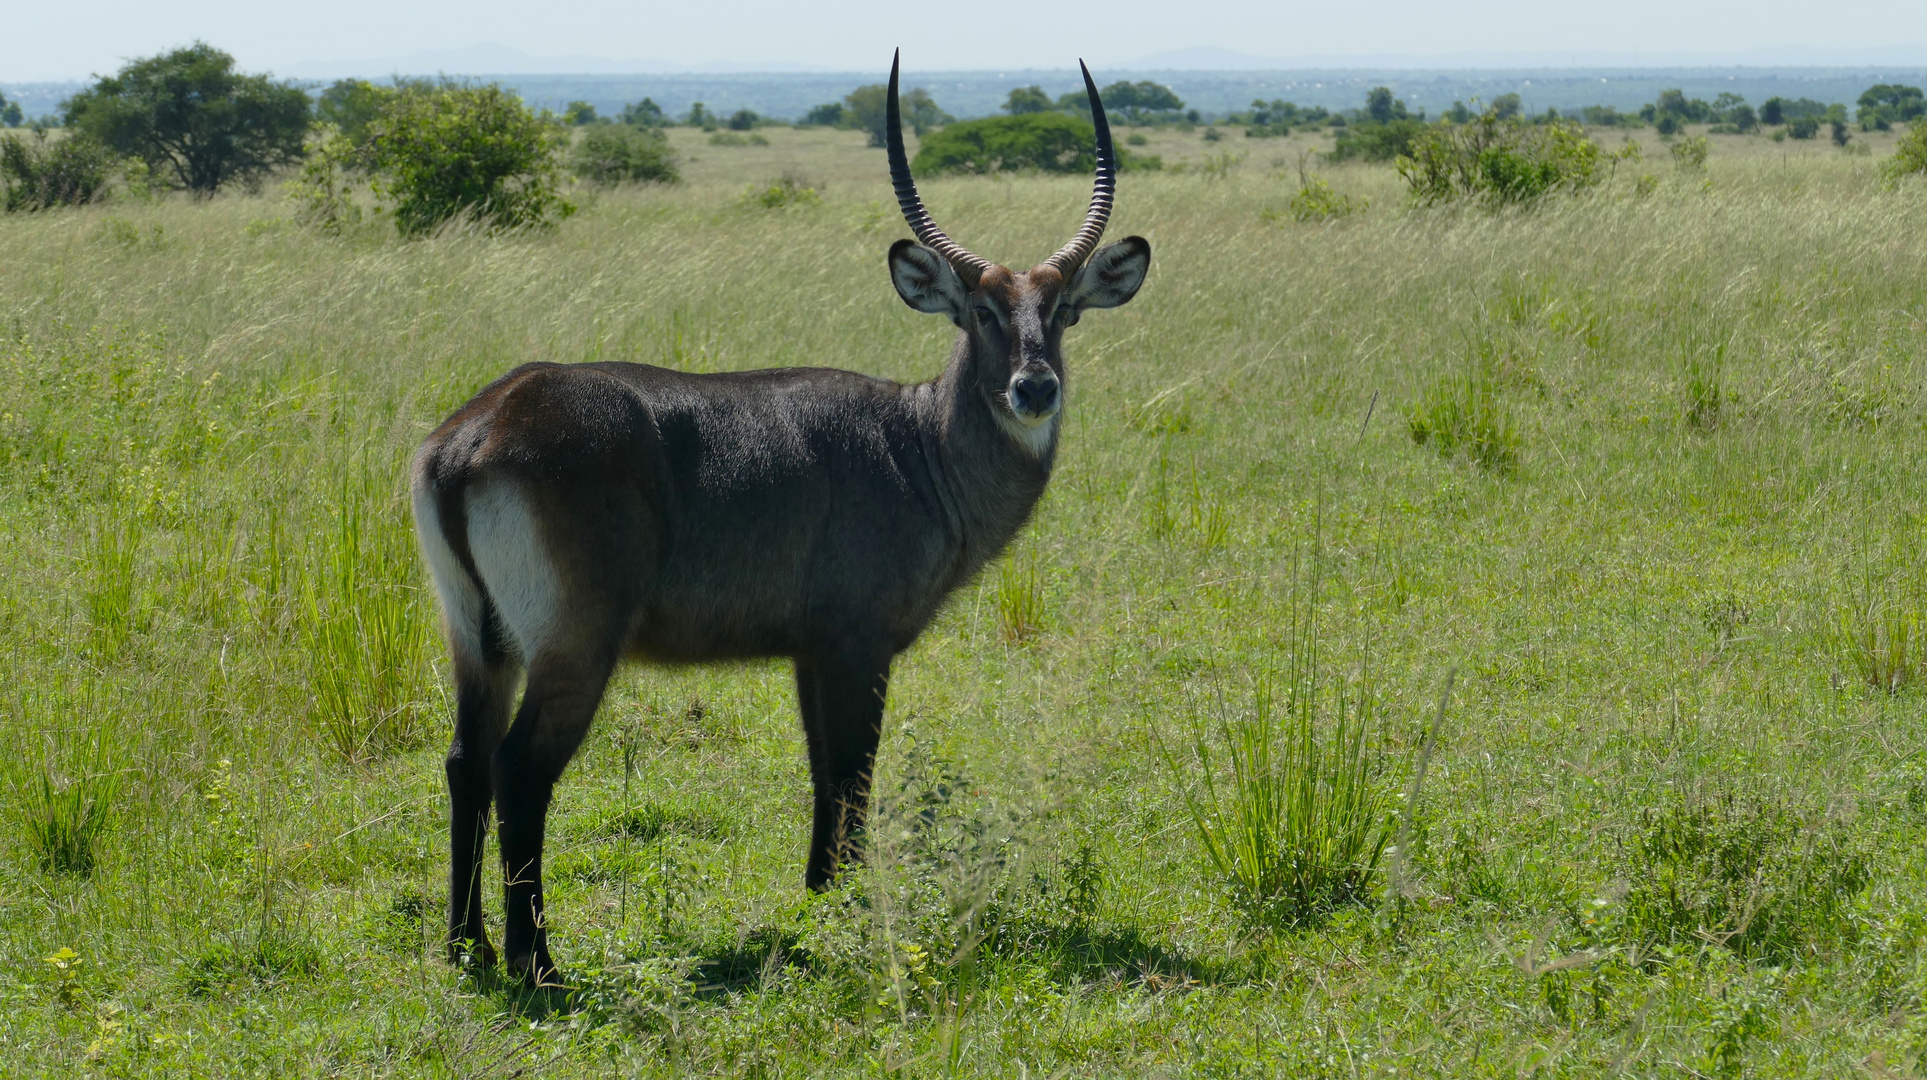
(1885, 644)
(1287, 800)
(1020, 598)
(367, 630)
(66, 805)
(112, 592)
(1464, 413)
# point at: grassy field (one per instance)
(1663, 535)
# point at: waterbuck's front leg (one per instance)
(841, 699)
(559, 702)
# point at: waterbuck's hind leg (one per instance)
(482, 698)
(563, 690)
(841, 699)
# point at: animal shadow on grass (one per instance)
(1076, 951)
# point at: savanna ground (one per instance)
(1663, 535)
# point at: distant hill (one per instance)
(1214, 92)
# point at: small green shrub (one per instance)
(1316, 201)
(1746, 871)
(447, 150)
(790, 190)
(1288, 803)
(1910, 155)
(1464, 413)
(620, 153)
(733, 138)
(1499, 161)
(1690, 154)
(324, 190)
(42, 173)
(1803, 127)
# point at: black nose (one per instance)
(1034, 395)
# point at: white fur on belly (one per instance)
(506, 542)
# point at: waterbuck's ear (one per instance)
(1112, 276)
(926, 281)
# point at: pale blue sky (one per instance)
(49, 41)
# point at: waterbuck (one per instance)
(576, 515)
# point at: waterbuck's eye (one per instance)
(986, 314)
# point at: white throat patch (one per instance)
(1034, 438)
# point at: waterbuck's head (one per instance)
(1015, 320)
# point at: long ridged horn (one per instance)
(969, 267)
(1103, 190)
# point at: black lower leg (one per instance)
(842, 706)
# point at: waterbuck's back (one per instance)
(713, 516)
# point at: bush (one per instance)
(744, 120)
(578, 114)
(10, 114)
(1690, 154)
(1316, 201)
(43, 173)
(188, 114)
(618, 153)
(1803, 127)
(1910, 155)
(1376, 141)
(1499, 161)
(828, 114)
(351, 105)
(451, 150)
(1046, 142)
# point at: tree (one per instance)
(1773, 111)
(579, 114)
(867, 105)
(1127, 102)
(645, 113)
(1840, 135)
(828, 114)
(1505, 106)
(1382, 106)
(1027, 99)
(350, 104)
(1885, 104)
(10, 114)
(744, 120)
(188, 114)
(700, 117)
(467, 150)
(613, 154)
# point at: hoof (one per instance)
(537, 972)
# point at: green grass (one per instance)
(1670, 824)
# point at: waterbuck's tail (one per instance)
(441, 525)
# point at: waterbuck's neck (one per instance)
(990, 474)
